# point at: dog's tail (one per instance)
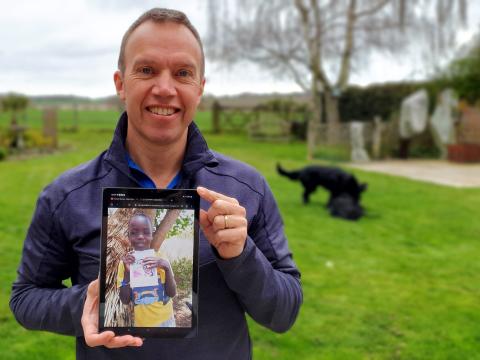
(294, 175)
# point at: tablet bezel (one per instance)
(144, 197)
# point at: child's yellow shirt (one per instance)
(149, 315)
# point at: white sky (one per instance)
(71, 47)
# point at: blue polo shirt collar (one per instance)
(144, 180)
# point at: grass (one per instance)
(402, 283)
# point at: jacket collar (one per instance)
(197, 154)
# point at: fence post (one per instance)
(377, 137)
(216, 109)
(50, 126)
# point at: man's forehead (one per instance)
(159, 34)
(179, 59)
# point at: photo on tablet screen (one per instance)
(149, 262)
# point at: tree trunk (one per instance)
(314, 122)
(344, 74)
(163, 228)
(117, 314)
(333, 118)
(13, 119)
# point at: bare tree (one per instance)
(319, 42)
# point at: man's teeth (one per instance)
(161, 111)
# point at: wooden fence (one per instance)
(258, 122)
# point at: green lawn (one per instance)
(402, 283)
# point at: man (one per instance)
(245, 264)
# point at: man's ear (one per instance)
(200, 91)
(119, 85)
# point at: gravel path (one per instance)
(434, 171)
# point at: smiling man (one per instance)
(245, 264)
(160, 79)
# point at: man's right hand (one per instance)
(90, 324)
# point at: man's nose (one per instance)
(164, 85)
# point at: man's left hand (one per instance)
(90, 324)
(224, 223)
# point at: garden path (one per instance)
(435, 171)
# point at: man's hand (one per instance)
(224, 224)
(90, 324)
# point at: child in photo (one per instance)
(145, 277)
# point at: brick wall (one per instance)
(469, 127)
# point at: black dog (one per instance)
(345, 207)
(344, 189)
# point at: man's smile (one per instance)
(162, 110)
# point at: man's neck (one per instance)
(160, 162)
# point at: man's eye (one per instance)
(146, 70)
(183, 73)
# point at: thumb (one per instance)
(91, 301)
(204, 222)
(93, 288)
(206, 225)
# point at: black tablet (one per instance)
(149, 262)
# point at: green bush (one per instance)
(364, 103)
(283, 106)
(463, 75)
(35, 139)
(3, 153)
(182, 270)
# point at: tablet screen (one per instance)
(149, 262)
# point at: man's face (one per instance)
(162, 84)
(140, 233)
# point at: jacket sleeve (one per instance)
(264, 276)
(39, 300)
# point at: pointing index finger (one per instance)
(211, 195)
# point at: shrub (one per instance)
(182, 270)
(463, 75)
(364, 103)
(35, 139)
(3, 153)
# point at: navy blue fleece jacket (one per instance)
(63, 242)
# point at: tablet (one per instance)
(149, 262)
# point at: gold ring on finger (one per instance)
(225, 218)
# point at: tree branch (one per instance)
(297, 77)
(374, 9)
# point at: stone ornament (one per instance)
(442, 121)
(358, 154)
(413, 114)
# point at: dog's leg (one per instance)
(306, 195)
(330, 200)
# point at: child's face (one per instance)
(140, 233)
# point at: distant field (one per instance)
(87, 119)
(402, 283)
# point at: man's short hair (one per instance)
(160, 15)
